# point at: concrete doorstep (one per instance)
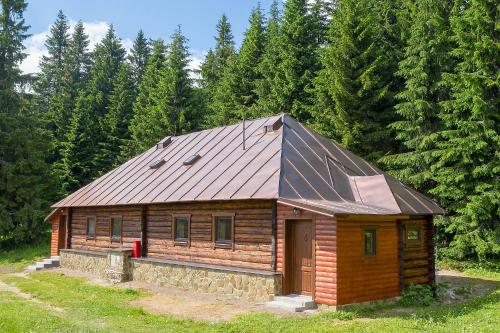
(292, 303)
(45, 263)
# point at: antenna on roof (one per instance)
(244, 132)
(246, 104)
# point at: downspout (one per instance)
(401, 254)
(144, 231)
(69, 220)
(273, 241)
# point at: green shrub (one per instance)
(464, 290)
(422, 295)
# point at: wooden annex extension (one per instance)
(288, 205)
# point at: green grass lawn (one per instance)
(24, 255)
(489, 269)
(86, 308)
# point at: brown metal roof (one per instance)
(282, 159)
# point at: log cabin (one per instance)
(257, 209)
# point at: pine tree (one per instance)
(208, 72)
(270, 61)
(297, 47)
(89, 116)
(165, 102)
(25, 181)
(468, 168)
(356, 82)
(109, 56)
(215, 64)
(76, 61)
(320, 17)
(235, 95)
(138, 57)
(175, 91)
(224, 45)
(79, 148)
(217, 59)
(118, 117)
(51, 76)
(426, 57)
(143, 123)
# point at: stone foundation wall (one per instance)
(94, 263)
(249, 285)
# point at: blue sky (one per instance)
(156, 18)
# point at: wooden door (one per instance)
(299, 261)
(62, 233)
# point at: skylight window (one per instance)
(156, 164)
(191, 159)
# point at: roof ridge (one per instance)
(277, 116)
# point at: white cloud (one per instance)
(35, 49)
(35, 45)
(195, 61)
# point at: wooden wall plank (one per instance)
(54, 239)
(253, 231)
(418, 260)
(363, 278)
(252, 226)
(325, 277)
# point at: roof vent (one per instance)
(164, 142)
(156, 164)
(273, 127)
(191, 159)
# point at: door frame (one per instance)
(62, 237)
(285, 278)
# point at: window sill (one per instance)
(223, 245)
(116, 240)
(91, 238)
(181, 243)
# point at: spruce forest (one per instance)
(410, 85)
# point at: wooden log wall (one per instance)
(252, 233)
(54, 238)
(325, 256)
(418, 257)
(131, 228)
(363, 278)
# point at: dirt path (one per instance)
(6, 287)
(462, 287)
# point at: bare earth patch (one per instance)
(198, 306)
(185, 303)
(7, 269)
(463, 287)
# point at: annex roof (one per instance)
(281, 159)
